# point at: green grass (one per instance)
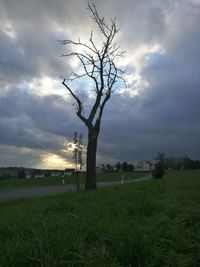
(152, 223)
(101, 177)
(117, 176)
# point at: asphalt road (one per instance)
(28, 192)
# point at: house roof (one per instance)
(145, 162)
(70, 170)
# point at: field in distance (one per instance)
(152, 223)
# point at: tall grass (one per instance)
(152, 223)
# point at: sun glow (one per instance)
(53, 161)
(71, 147)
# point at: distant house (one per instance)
(69, 171)
(39, 175)
(55, 174)
(144, 166)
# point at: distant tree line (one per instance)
(174, 163)
(177, 163)
(12, 172)
(21, 172)
(119, 167)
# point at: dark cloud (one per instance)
(162, 42)
(15, 156)
(34, 121)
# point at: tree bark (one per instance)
(90, 182)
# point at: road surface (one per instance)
(28, 192)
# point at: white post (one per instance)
(63, 180)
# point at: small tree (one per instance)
(77, 155)
(119, 166)
(161, 159)
(98, 64)
(158, 171)
(124, 166)
(109, 167)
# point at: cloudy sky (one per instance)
(159, 111)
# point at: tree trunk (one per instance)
(90, 182)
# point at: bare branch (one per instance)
(79, 104)
(98, 65)
(79, 43)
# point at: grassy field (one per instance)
(152, 223)
(101, 177)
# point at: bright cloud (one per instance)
(46, 86)
(157, 111)
(53, 161)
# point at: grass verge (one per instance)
(152, 223)
(46, 181)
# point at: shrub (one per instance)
(158, 172)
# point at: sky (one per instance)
(158, 111)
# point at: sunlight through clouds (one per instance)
(138, 60)
(53, 161)
(154, 111)
(46, 86)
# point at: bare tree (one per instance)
(99, 65)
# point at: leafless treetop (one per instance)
(98, 64)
